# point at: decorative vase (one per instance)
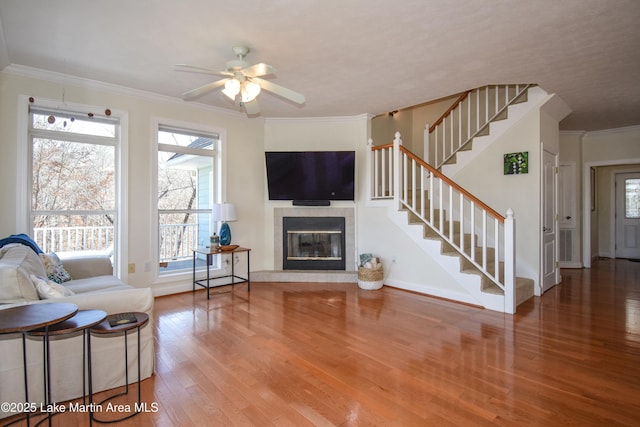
(225, 234)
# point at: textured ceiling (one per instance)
(346, 57)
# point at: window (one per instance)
(632, 198)
(187, 185)
(73, 180)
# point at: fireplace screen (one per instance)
(313, 243)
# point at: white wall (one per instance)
(410, 122)
(604, 225)
(485, 178)
(244, 154)
(603, 150)
(321, 134)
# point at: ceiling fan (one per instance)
(241, 79)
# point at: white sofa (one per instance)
(94, 287)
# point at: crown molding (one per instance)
(69, 80)
(359, 117)
(627, 129)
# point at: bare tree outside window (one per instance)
(73, 189)
(185, 170)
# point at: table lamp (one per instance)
(224, 212)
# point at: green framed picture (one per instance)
(516, 163)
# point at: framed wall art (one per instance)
(516, 163)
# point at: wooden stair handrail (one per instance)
(381, 147)
(435, 172)
(446, 113)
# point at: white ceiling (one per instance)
(347, 57)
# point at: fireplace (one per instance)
(320, 274)
(313, 243)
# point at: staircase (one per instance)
(469, 118)
(475, 244)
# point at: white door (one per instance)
(549, 221)
(628, 215)
(569, 250)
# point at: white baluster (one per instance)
(380, 177)
(460, 140)
(451, 213)
(496, 239)
(431, 204)
(413, 184)
(486, 106)
(451, 132)
(423, 176)
(441, 214)
(372, 176)
(461, 218)
(472, 221)
(484, 239)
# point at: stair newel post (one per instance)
(397, 169)
(509, 263)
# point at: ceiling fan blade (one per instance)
(251, 108)
(281, 91)
(258, 70)
(198, 92)
(195, 69)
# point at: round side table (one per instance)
(81, 322)
(27, 317)
(105, 328)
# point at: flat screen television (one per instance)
(310, 175)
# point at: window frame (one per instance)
(25, 175)
(218, 154)
(626, 199)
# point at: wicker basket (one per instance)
(369, 278)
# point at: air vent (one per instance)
(566, 245)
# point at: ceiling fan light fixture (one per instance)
(231, 88)
(249, 91)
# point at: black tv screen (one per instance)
(310, 175)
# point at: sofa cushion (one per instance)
(48, 289)
(81, 266)
(97, 284)
(54, 268)
(17, 264)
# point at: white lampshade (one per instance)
(249, 91)
(231, 88)
(224, 212)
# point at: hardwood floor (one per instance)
(296, 354)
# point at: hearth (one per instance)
(313, 243)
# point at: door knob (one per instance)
(567, 217)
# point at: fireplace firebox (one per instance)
(313, 243)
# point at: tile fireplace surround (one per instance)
(279, 275)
